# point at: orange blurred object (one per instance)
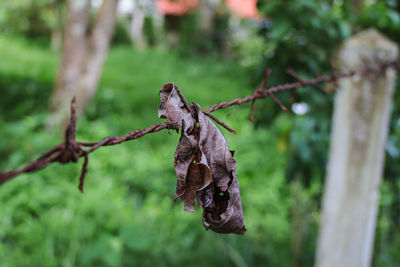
(177, 7)
(244, 8)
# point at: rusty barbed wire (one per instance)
(71, 150)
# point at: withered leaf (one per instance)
(204, 165)
(171, 106)
(198, 177)
(226, 215)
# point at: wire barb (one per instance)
(83, 172)
(220, 122)
(292, 73)
(258, 91)
(276, 100)
(185, 102)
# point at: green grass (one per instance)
(127, 216)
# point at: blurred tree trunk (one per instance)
(206, 11)
(136, 27)
(56, 38)
(73, 59)
(98, 44)
(84, 52)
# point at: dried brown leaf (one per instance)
(171, 106)
(199, 177)
(184, 156)
(225, 215)
(204, 166)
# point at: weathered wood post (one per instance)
(360, 127)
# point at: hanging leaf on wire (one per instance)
(204, 165)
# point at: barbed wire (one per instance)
(70, 150)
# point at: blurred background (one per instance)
(115, 56)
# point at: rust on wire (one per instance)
(292, 73)
(83, 172)
(185, 102)
(259, 91)
(276, 100)
(219, 122)
(71, 150)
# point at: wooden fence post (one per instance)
(356, 157)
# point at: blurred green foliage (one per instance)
(35, 19)
(304, 35)
(127, 216)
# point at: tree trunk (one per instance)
(360, 127)
(56, 39)
(72, 61)
(83, 57)
(206, 10)
(136, 27)
(98, 44)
